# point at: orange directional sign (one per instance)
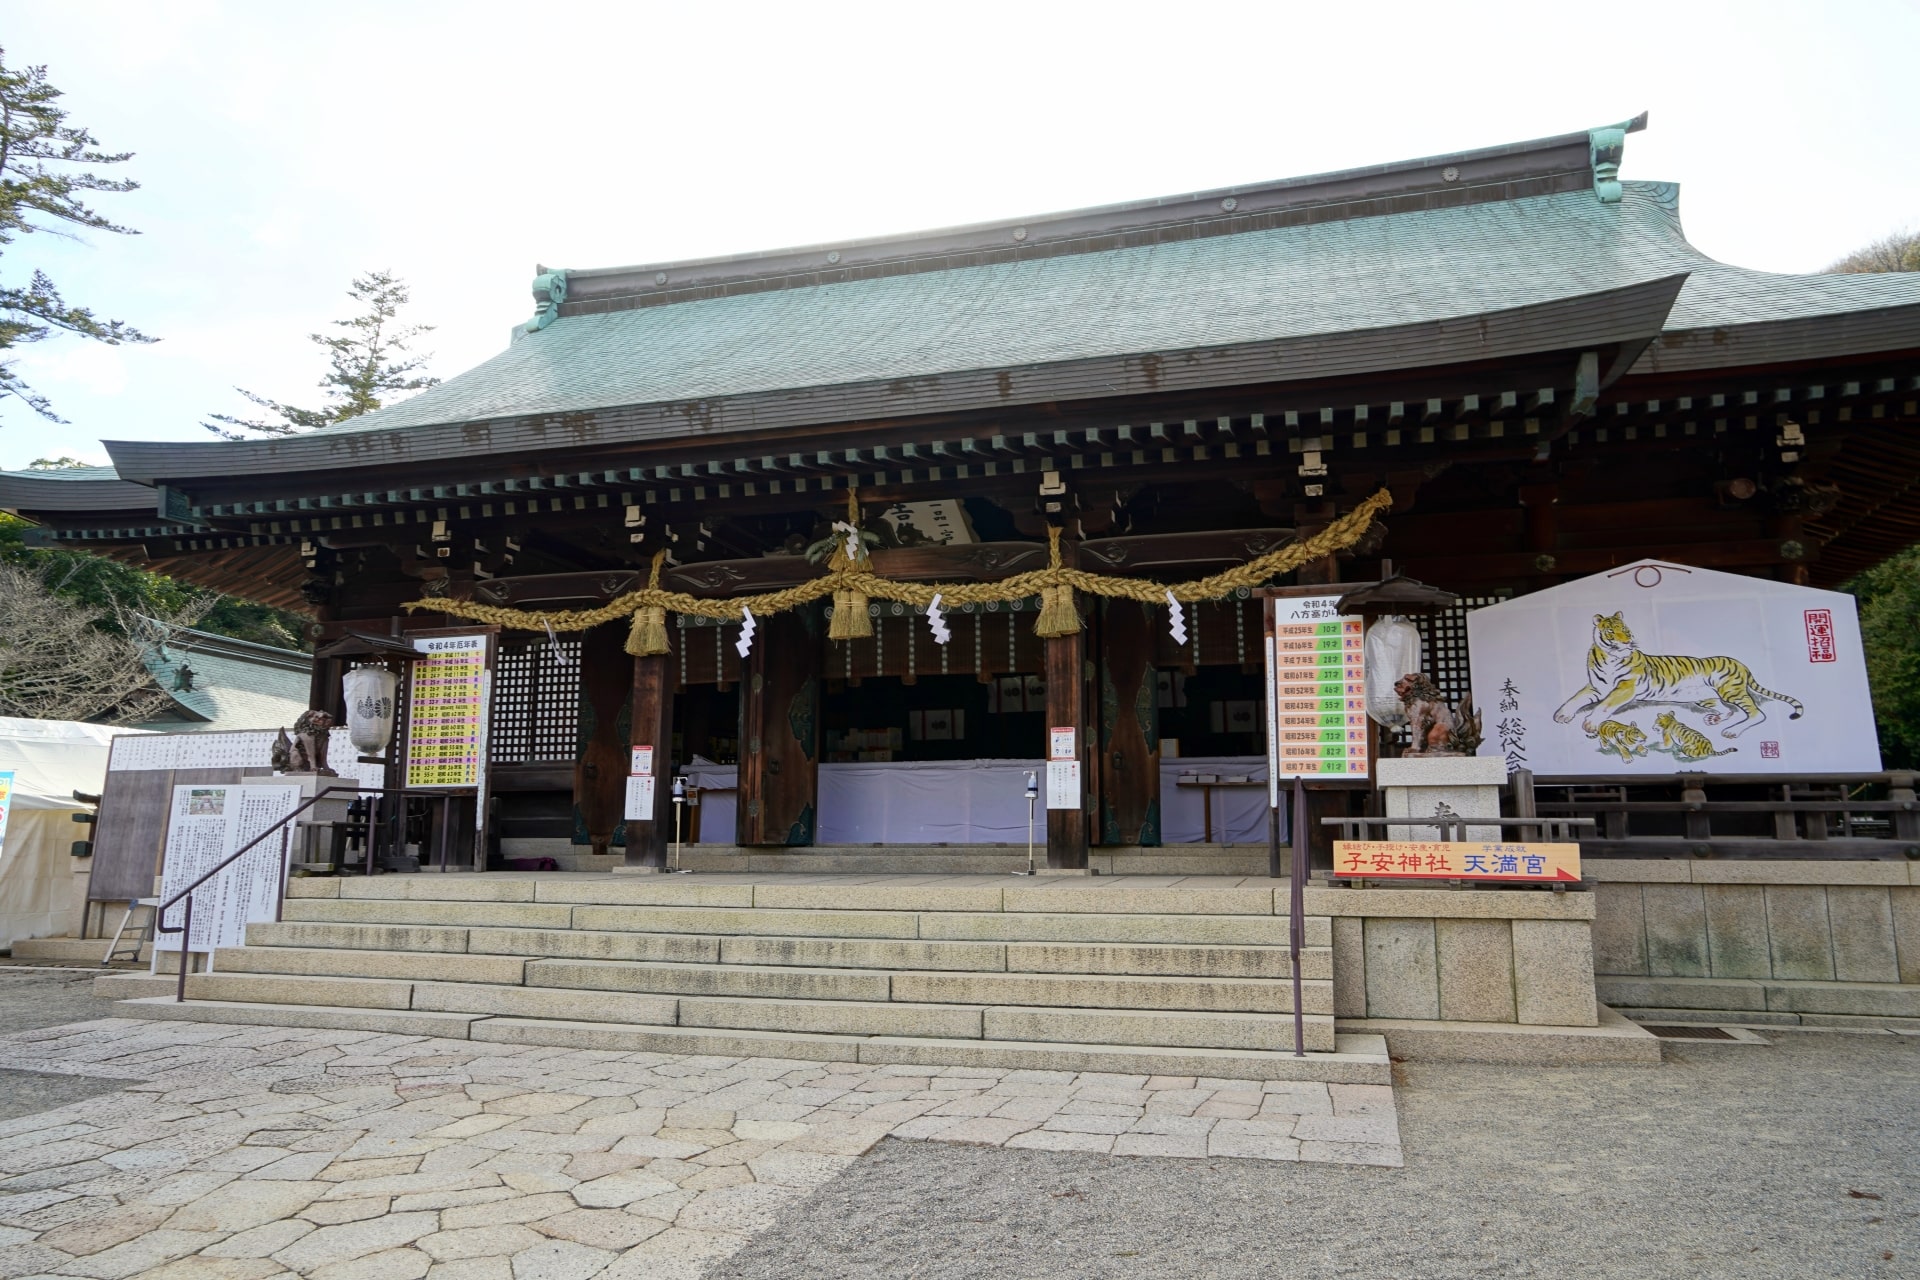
(1457, 860)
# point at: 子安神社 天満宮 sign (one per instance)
(1457, 860)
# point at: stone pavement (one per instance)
(246, 1152)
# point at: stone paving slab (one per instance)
(259, 1151)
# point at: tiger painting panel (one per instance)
(1659, 668)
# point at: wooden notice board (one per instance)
(142, 771)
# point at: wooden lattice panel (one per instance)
(536, 703)
(1444, 637)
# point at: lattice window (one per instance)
(536, 703)
(1445, 638)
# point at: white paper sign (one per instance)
(1656, 669)
(1063, 784)
(640, 797)
(206, 825)
(642, 761)
(1060, 744)
(1316, 693)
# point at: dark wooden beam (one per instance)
(780, 731)
(1126, 757)
(651, 725)
(600, 770)
(1067, 704)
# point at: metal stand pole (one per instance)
(1033, 796)
(1296, 910)
(679, 805)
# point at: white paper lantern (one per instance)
(1393, 650)
(370, 707)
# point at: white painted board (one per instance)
(1645, 669)
(640, 797)
(1063, 784)
(206, 824)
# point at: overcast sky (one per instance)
(284, 147)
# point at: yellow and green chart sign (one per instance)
(1318, 685)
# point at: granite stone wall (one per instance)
(1838, 938)
(1469, 955)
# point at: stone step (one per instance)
(752, 981)
(295, 989)
(341, 962)
(1164, 960)
(832, 1017)
(1111, 991)
(1168, 1028)
(68, 951)
(134, 986)
(782, 982)
(1188, 929)
(452, 1026)
(1354, 1059)
(1172, 895)
(1089, 958)
(1218, 1030)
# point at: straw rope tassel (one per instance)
(1058, 614)
(648, 636)
(850, 620)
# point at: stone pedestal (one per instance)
(1417, 787)
(311, 835)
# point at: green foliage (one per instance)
(65, 462)
(34, 134)
(368, 363)
(1889, 596)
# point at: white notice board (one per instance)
(1316, 692)
(206, 824)
(1657, 669)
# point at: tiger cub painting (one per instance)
(1620, 678)
(1629, 740)
(1685, 741)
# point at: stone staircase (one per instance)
(1164, 975)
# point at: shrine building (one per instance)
(1520, 352)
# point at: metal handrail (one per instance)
(186, 920)
(1557, 827)
(1297, 911)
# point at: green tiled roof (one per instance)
(1322, 278)
(236, 685)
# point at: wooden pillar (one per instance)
(1127, 760)
(780, 731)
(1066, 660)
(650, 724)
(600, 767)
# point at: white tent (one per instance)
(50, 760)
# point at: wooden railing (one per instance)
(1815, 816)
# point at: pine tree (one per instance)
(369, 362)
(34, 134)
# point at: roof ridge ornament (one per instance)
(1608, 145)
(549, 291)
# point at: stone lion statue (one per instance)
(1436, 728)
(306, 750)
